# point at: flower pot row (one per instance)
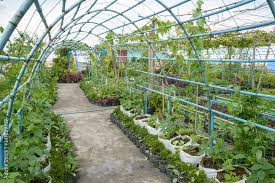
(188, 149)
(156, 159)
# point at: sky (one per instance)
(52, 8)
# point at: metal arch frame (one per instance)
(23, 9)
(237, 4)
(59, 34)
(107, 20)
(101, 10)
(44, 52)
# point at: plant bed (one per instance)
(238, 175)
(210, 167)
(108, 101)
(168, 163)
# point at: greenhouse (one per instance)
(137, 91)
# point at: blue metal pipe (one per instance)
(271, 6)
(39, 10)
(14, 22)
(229, 7)
(248, 27)
(206, 59)
(12, 59)
(148, 16)
(214, 111)
(211, 86)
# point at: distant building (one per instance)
(271, 66)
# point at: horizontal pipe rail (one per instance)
(205, 59)
(229, 7)
(13, 59)
(214, 111)
(214, 33)
(211, 86)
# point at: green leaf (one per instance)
(256, 167)
(252, 179)
(261, 175)
(175, 180)
(239, 156)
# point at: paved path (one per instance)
(106, 155)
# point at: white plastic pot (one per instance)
(167, 143)
(210, 172)
(153, 131)
(188, 158)
(143, 121)
(122, 109)
(239, 181)
(173, 148)
(130, 113)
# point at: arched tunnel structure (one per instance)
(183, 30)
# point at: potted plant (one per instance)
(216, 156)
(153, 126)
(173, 138)
(232, 173)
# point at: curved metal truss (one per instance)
(77, 23)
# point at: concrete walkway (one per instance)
(106, 155)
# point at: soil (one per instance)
(194, 151)
(238, 171)
(202, 140)
(177, 83)
(220, 108)
(141, 117)
(271, 124)
(208, 162)
(108, 101)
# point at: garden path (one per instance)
(106, 155)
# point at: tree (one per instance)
(1, 29)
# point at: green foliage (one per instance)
(59, 69)
(95, 90)
(22, 45)
(262, 172)
(187, 172)
(27, 151)
(64, 160)
(248, 107)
